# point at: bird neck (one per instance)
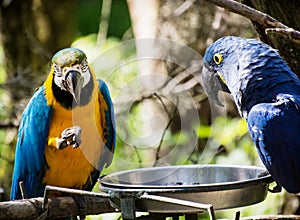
(67, 100)
(265, 93)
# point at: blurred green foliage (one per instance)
(88, 18)
(232, 135)
(3, 94)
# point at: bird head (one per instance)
(71, 75)
(251, 71)
(221, 67)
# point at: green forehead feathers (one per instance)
(68, 57)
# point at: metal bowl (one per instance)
(221, 186)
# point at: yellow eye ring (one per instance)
(217, 58)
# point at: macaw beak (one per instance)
(74, 83)
(212, 84)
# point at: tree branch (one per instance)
(288, 33)
(261, 18)
(58, 207)
(248, 12)
(77, 205)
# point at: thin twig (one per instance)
(138, 156)
(183, 7)
(141, 99)
(8, 124)
(150, 96)
(163, 135)
(162, 103)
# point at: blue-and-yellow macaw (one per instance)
(267, 94)
(67, 133)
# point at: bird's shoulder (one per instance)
(37, 110)
(284, 109)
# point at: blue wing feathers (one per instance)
(110, 123)
(32, 137)
(275, 129)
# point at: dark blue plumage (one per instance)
(267, 94)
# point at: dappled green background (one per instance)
(196, 27)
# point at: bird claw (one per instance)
(276, 189)
(70, 136)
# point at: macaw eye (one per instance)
(57, 70)
(84, 66)
(217, 58)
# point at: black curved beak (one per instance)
(212, 84)
(74, 83)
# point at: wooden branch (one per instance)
(288, 33)
(248, 12)
(76, 205)
(258, 17)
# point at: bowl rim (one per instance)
(107, 185)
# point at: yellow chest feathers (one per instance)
(72, 167)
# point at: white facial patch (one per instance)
(61, 73)
(85, 72)
(58, 76)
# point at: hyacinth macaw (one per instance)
(267, 95)
(67, 132)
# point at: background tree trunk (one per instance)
(31, 31)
